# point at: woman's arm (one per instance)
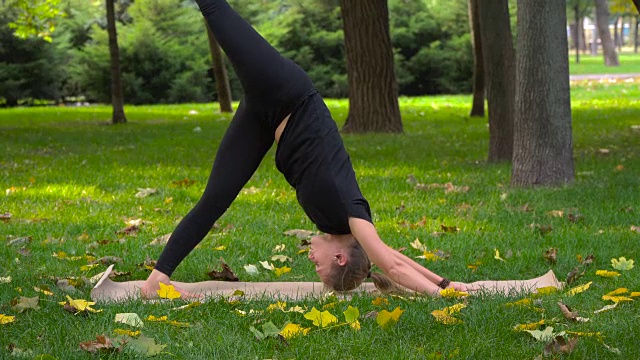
(396, 266)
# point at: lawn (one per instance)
(594, 64)
(69, 183)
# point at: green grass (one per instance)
(69, 174)
(590, 64)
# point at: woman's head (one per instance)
(340, 261)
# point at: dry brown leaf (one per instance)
(5, 217)
(299, 233)
(148, 264)
(635, 228)
(102, 344)
(449, 229)
(226, 274)
(161, 240)
(551, 255)
(106, 260)
(569, 314)
(559, 345)
(183, 183)
(131, 230)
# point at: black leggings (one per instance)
(272, 86)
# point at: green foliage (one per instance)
(36, 18)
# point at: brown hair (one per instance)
(356, 270)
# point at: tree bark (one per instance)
(543, 149)
(602, 22)
(635, 35)
(499, 68)
(477, 107)
(373, 89)
(117, 99)
(583, 38)
(219, 73)
(576, 35)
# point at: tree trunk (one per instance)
(543, 153)
(637, 4)
(373, 90)
(576, 35)
(219, 73)
(635, 35)
(583, 38)
(499, 69)
(616, 35)
(117, 99)
(477, 107)
(594, 44)
(602, 22)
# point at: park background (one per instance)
(79, 193)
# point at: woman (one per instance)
(280, 104)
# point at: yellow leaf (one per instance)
(497, 256)
(80, 304)
(219, 248)
(387, 319)
(523, 302)
(579, 289)
(380, 301)
(450, 310)
(282, 270)
(280, 305)
(546, 290)
(622, 264)
(297, 309)
(443, 318)
(429, 256)
(531, 326)
(607, 273)
(616, 299)
(168, 292)
(240, 312)
(608, 307)
(321, 319)
(330, 305)
(88, 267)
(6, 319)
(618, 291)
(453, 293)
(153, 318)
(178, 323)
(585, 334)
(127, 332)
(293, 330)
(635, 294)
(351, 316)
(46, 292)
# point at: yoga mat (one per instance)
(107, 290)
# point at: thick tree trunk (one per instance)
(543, 150)
(219, 73)
(477, 107)
(602, 22)
(373, 90)
(117, 99)
(499, 65)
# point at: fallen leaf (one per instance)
(5, 217)
(497, 255)
(24, 303)
(267, 265)
(544, 335)
(452, 293)
(162, 240)
(551, 255)
(320, 319)
(555, 213)
(445, 319)
(351, 316)
(547, 290)
(292, 330)
(416, 244)
(156, 319)
(226, 274)
(20, 241)
(281, 258)
(574, 275)
(530, 326)
(145, 346)
(107, 260)
(619, 167)
(102, 344)
(131, 230)
(190, 305)
(380, 301)
(520, 303)
(280, 305)
(569, 314)
(279, 248)
(251, 269)
(183, 183)
(618, 291)
(6, 319)
(607, 273)
(635, 294)
(78, 305)
(5, 279)
(282, 270)
(387, 319)
(608, 307)
(616, 299)
(558, 345)
(579, 289)
(168, 292)
(299, 233)
(449, 229)
(131, 319)
(635, 228)
(622, 264)
(131, 333)
(144, 192)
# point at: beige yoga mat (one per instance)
(107, 290)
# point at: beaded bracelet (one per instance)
(444, 283)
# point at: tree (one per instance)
(499, 59)
(373, 90)
(477, 107)
(117, 99)
(580, 9)
(35, 18)
(543, 153)
(602, 22)
(219, 72)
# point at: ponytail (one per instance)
(384, 283)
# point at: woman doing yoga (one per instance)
(281, 105)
